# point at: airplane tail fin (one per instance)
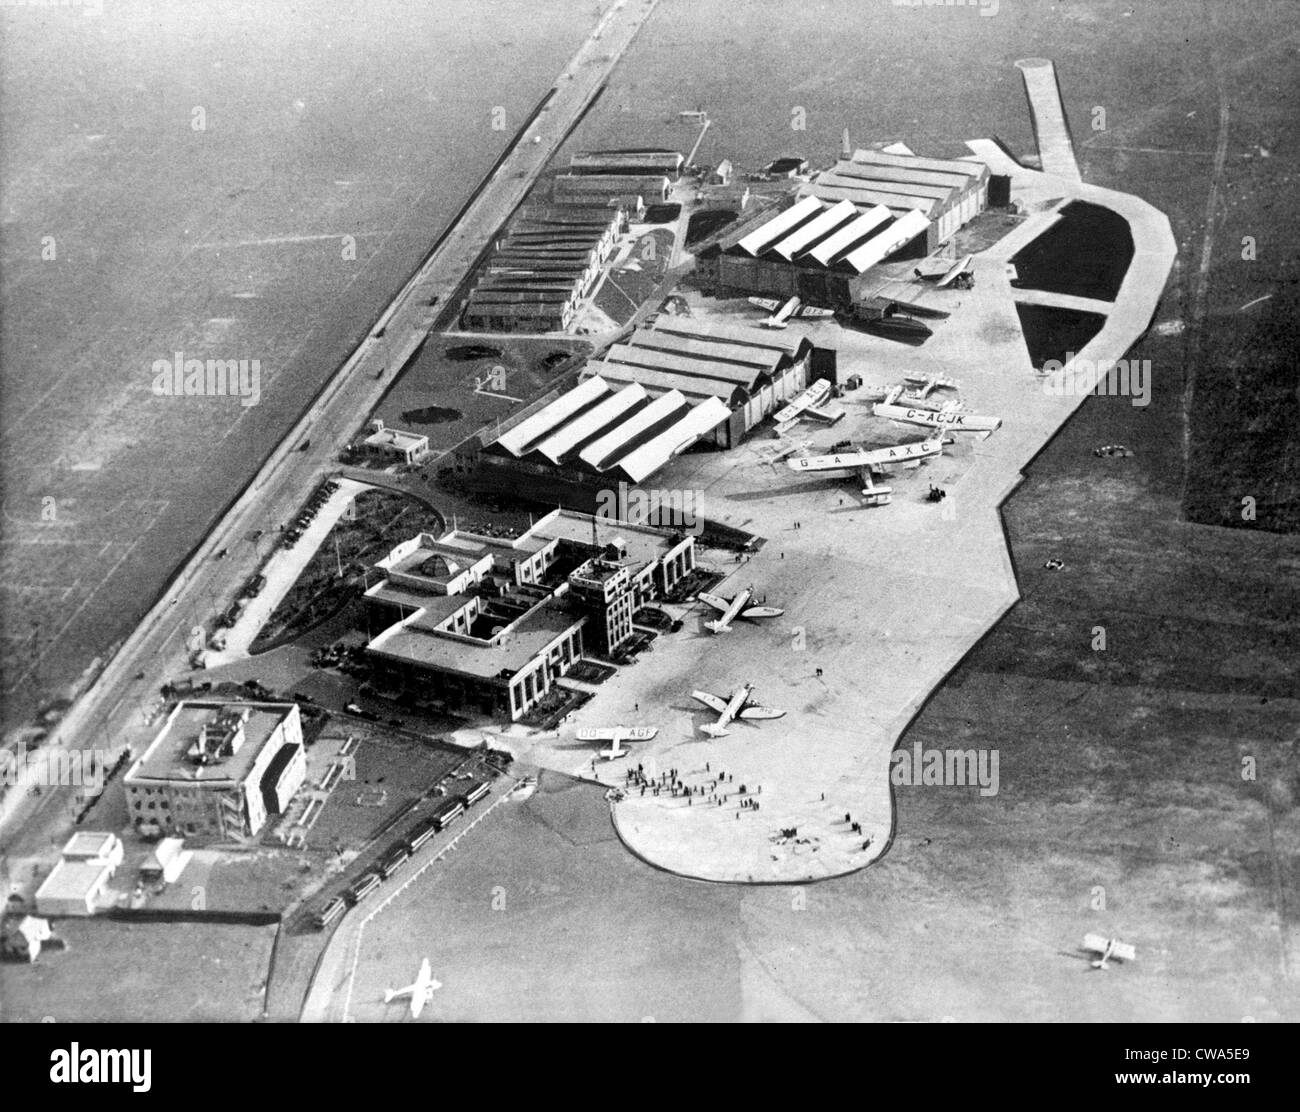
(714, 730)
(717, 627)
(389, 995)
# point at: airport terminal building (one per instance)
(489, 624)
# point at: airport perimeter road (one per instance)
(111, 709)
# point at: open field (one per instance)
(196, 973)
(226, 242)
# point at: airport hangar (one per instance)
(543, 267)
(491, 623)
(668, 387)
(630, 178)
(218, 769)
(872, 208)
(550, 256)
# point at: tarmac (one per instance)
(884, 601)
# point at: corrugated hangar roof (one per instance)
(518, 440)
(693, 386)
(975, 170)
(649, 458)
(903, 230)
(607, 412)
(833, 218)
(870, 222)
(896, 202)
(605, 451)
(781, 224)
(911, 174)
(789, 344)
(723, 358)
(884, 185)
(616, 429)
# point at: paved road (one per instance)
(110, 710)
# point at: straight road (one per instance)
(110, 711)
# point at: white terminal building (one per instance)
(490, 623)
(219, 769)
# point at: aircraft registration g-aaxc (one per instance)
(871, 458)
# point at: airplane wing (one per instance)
(756, 711)
(768, 303)
(1099, 944)
(716, 601)
(711, 701)
(958, 268)
(828, 414)
(761, 612)
(815, 312)
(596, 733)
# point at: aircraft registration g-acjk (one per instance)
(948, 418)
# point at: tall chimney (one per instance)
(846, 150)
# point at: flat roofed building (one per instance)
(628, 161)
(74, 888)
(77, 884)
(505, 673)
(628, 191)
(206, 773)
(397, 445)
(86, 846)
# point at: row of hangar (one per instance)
(823, 241)
(670, 386)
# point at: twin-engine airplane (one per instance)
(616, 735)
(420, 992)
(738, 706)
(738, 606)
